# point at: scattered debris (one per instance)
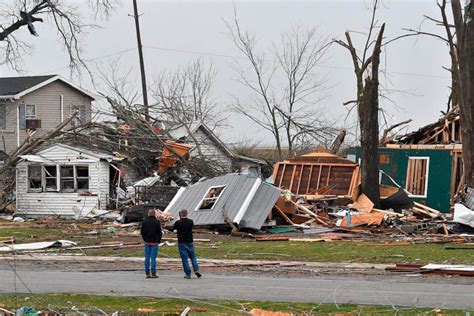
(37, 245)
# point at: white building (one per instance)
(65, 181)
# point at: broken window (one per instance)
(34, 178)
(67, 178)
(82, 177)
(417, 176)
(211, 197)
(51, 178)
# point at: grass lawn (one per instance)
(226, 247)
(171, 306)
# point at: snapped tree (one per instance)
(459, 37)
(366, 70)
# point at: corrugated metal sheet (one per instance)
(238, 187)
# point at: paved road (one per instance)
(217, 286)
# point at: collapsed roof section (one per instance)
(447, 130)
(317, 173)
(240, 199)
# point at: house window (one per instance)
(417, 176)
(50, 178)
(82, 177)
(46, 178)
(30, 112)
(3, 118)
(211, 197)
(67, 178)
(34, 178)
(81, 114)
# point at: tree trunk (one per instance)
(468, 136)
(369, 131)
(369, 127)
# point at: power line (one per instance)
(322, 66)
(192, 52)
(95, 59)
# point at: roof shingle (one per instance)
(14, 85)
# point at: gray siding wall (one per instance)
(211, 151)
(237, 189)
(48, 110)
(261, 206)
(61, 203)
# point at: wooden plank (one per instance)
(374, 218)
(286, 218)
(319, 176)
(329, 176)
(309, 179)
(282, 175)
(427, 208)
(363, 204)
(290, 186)
(299, 179)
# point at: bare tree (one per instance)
(459, 37)
(366, 70)
(184, 100)
(284, 90)
(64, 17)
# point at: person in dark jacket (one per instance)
(184, 228)
(151, 234)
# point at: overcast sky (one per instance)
(175, 33)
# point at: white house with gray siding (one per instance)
(38, 103)
(246, 201)
(63, 180)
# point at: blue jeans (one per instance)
(151, 252)
(185, 251)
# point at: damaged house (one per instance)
(207, 144)
(237, 198)
(62, 180)
(427, 163)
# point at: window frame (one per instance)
(46, 177)
(216, 199)
(76, 108)
(59, 178)
(28, 117)
(427, 172)
(76, 178)
(29, 188)
(62, 178)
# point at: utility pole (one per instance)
(142, 63)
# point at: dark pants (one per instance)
(151, 252)
(185, 251)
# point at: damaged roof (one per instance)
(245, 200)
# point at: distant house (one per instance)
(65, 181)
(38, 103)
(214, 150)
(244, 200)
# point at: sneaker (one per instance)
(153, 275)
(187, 277)
(198, 274)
